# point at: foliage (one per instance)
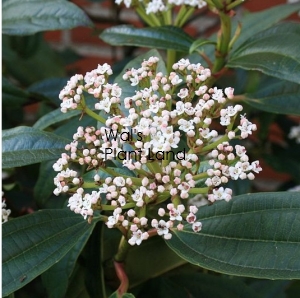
(247, 247)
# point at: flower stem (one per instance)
(171, 57)
(123, 249)
(150, 19)
(215, 144)
(94, 115)
(223, 42)
(202, 190)
(186, 16)
(200, 176)
(111, 207)
(119, 267)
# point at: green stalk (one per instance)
(112, 208)
(203, 190)
(200, 176)
(215, 144)
(223, 42)
(154, 167)
(120, 257)
(171, 57)
(176, 200)
(180, 15)
(93, 114)
(167, 16)
(123, 249)
(150, 19)
(218, 4)
(234, 4)
(186, 16)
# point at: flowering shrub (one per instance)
(149, 178)
(151, 127)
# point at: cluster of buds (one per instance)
(146, 156)
(157, 6)
(5, 212)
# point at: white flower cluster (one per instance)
(95, 83)
(155, 6)
(222, 170)
(5, 212)
(165, 109)
(295, 133)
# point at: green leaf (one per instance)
(211, 286)
(188, 284)
(20, 65)
(199, 43)
(273, 52)
(125, 295)
(93, 253)
(44, 185)
(54, 117)
(271, 288)
(56, 278)
(255, 235)
(162, 287)
(254, 23)
(164, 37)
(155, 256)
(49, 88)
(280, 97)
(12, 95)
(31, 16)
(33, 243)
(26, 145)
(77, 287)
(57, 116)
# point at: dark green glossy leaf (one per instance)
(273, 52)
(199, 43)
(253, 23)
(194, 284)
(77, 287)
(56, 279)
(30, 16)
(281, 97)
(54, 117)
(69, 127)
(285, 160)
(212, 286)
(26, 145)
(93, 254)
(165, 37)
(271, 288)
(255, 235)
(49, 88)
(151, 259)
(43, 60)
(33, 243)
(162, 287)
(44, 186)
(12, 95)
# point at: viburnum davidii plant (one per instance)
(143, 134)
(143, 178)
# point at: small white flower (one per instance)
(295, 133)
(197, 226)
(138, 237)
(5, 212)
